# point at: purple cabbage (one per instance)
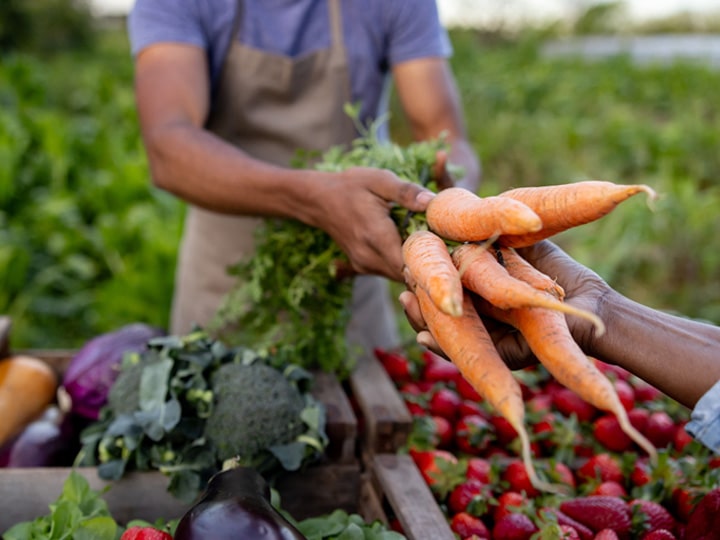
(94, 368)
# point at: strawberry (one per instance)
(626, 393)
(444, 402)
(651, 515)
(645, 392)
(466, 390)
(660, 429)
(682, 502)
(540, 403)
(606, 534)
(144, 533)
(704, 522)
(479, 469)
(467, 408)
(559, 473)
(467, 525)
(509, 502)
(436, 466)
(463, 494)
(443, 431)
(568, 402)
(640, 474)
(437, 369)
(473, 434)
(608, 433)
(600, 512)
(611, 487)
(397, 365)
(603, 467)
(659, 534)
(515, 474)
(514, 527)
(639, 418)
(612, 371)
(504, 432)
(583, 532)
(682, 438)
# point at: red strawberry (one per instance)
(682, 502)
(569, 533)
(540, 403)
(568, 402)
(682, 438)
(462, 494)
(652, 514)
(606, 534)
(509, 502)
(659, 534)
(467, 408)
(560, 473)
(479, 469)
(602, 467)
(610, 488)
(433, 464)
(514, 527)
(397, 365)
(473, 434)
(639, 418)
(704, 522)
(640, 474)
(443, 431)
(626, 393)
(144, 533)
(645, 392)
(660, 429)
(444, 402)
(563, 519)
(612, 371)
(516, 475)
(440, 370)
(467, 525)
(466, 390)
(600, 512)
(504, 432)
(608, 432)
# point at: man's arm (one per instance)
(431, 102)
(172, 91)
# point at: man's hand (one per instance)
(354, 209)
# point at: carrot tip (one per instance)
(636, 436)
(558, 489)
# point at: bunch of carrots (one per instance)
(469, 247)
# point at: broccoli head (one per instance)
(255, 407)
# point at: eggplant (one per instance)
(235, 506)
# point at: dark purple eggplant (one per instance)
(50, 441)
(234, 506)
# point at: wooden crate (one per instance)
(386, 421)
(394, 484)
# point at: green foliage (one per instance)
(87, 245)
(46, 26)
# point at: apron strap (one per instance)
(237, 19)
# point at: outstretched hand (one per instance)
(583, 289)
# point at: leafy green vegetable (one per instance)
(163, 399)
(79, 513)
(288, 295)
(339, 525)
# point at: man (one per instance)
(229, 90)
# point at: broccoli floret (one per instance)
(255, 407)
(124, 394)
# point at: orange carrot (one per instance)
(564, 206)
(549, 338)
(481, 273)
(519, 268)
(460, 215)
(468, 345)
(427, 258)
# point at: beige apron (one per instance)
(270, 105)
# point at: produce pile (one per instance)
(468, 454)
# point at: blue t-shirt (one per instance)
(378, 34)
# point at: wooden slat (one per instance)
(410, 497)
(26, 493)
(342, 424)
(386, 421)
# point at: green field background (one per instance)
(88, 245)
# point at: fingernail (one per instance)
(424, 197)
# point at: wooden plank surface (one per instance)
(26, 493)
(386, 421)
(398, 480)
(342, 424)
